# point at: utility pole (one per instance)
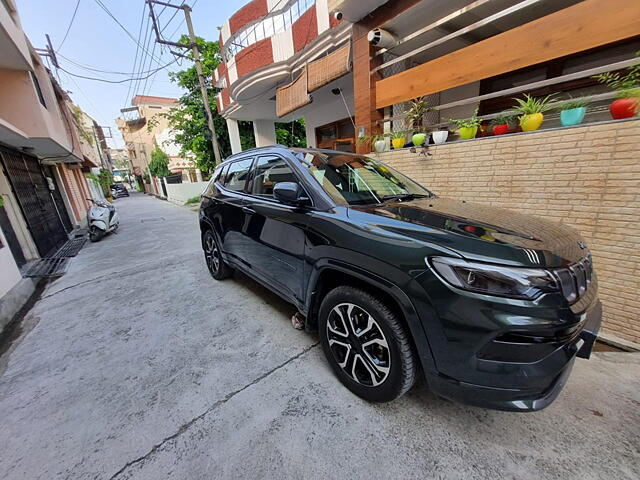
(196, 59)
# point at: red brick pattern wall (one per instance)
(305, 29)
(587, 177)
(255, 56)
(247, 14)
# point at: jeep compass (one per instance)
(492, 306)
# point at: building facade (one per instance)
(144, 127)
(43, 188)
(351, 69)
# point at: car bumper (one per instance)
(556, 366)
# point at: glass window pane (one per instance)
(237, 175)
(268, 172)
(357, 180)
(278, 21)
(268, 27)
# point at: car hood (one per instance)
(478, 231)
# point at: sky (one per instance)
(96, 41)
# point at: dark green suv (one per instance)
(494, 306)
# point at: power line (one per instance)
(123, 80)
(73, 17)
(101, 70)
(143, 57)
(182, 22)
(135, 60)
(102, 5)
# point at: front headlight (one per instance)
(498, 280)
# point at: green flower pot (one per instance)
(418, 139)
(467, 133)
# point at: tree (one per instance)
(189, 122)
(291, 134)
(159, 164)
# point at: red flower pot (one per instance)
(624, 108)
(501, 129)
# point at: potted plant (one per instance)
(376, 142)
(467, 127)
(501, 124)
(415, 115)
(572, 112)
(531, 111)
(440, 136)
(398, 139)
(627, 86)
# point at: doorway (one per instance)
(39, 198)
(338, 135)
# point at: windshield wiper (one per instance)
(403, 196)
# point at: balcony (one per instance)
(14, 47)
(132, 118)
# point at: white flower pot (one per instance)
(379, 145)
(440, 136)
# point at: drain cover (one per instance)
(71, 248)
(155, 219)
(48, 267)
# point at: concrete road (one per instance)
(136, 364)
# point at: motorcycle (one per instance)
(102, 218)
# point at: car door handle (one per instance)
(248, 210)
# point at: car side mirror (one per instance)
(290, 193)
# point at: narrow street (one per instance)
(137, 364)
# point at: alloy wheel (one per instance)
(211, 253)
(358, 344)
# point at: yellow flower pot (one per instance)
(531, 122)
(398, 143)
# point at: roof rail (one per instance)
(275, 145)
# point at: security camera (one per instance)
(381, 38)
(337, 15)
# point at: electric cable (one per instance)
(73, 17)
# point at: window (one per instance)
(218, 176)
(236, 176)
(36, 85)
(268, 172)
(357, 180)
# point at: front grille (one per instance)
(574, 280)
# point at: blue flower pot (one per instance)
(573, 116)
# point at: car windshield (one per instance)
(358, 180)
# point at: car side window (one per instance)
(236, 176)
(218, 176)
(268, 171)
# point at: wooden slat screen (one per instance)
(326, 69)
(292, 96)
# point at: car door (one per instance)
(229, 212)
(275, 232)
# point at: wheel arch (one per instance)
(329, 276)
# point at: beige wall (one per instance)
(587, 177)
(10, 275)
(139, 140)
(20, 106)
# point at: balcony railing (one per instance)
(266, 27)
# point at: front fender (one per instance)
(411, 316)
(102, 225)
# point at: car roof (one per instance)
(276, 147)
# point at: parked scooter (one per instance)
(102, 218)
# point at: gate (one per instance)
(35, 194)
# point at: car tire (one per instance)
(218, 268)
(366, 344)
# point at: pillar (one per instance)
(234, 135)
(264, 132)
